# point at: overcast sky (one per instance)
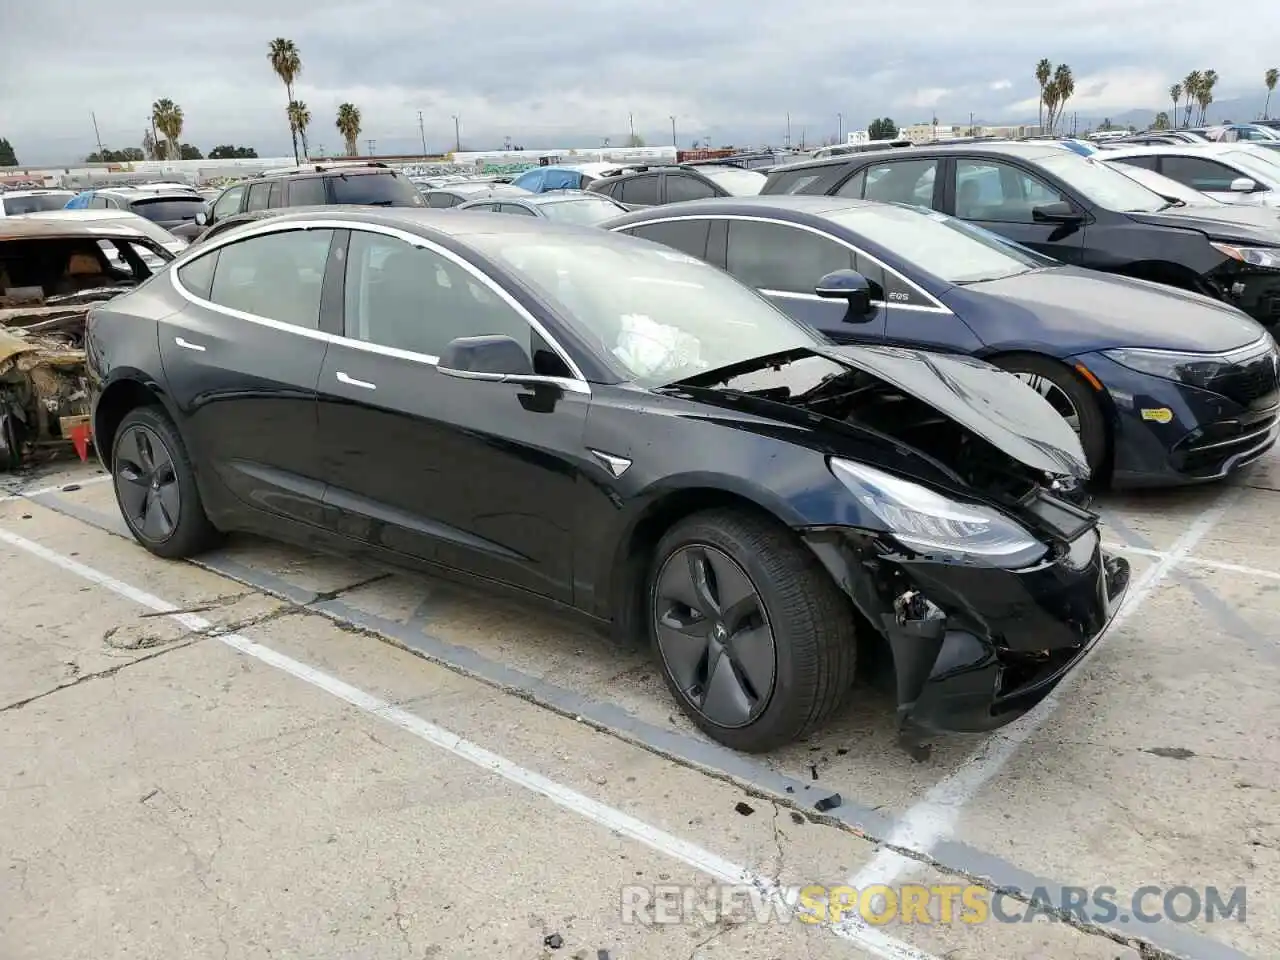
(568, 72)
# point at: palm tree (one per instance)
(287, 64)
(1191, 87)
(1175, 94)
(1272, 76)
(1204, 95)
(167, 116)
(349, 126)
(300, 119)
(1058, 92)
(1044, 70)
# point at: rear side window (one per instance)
(687, 236)
(259, 196)
(641, 190)
(197, 276)
(1147, 163)
(812, 180)
(1199, 173)
(307, 192)
(774, 256)
(379, 189)
(273, 198)
(901, 181)
(441, 201)
(275, 275)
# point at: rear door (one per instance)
(785, 261)
(474, 475)
(242, 360)
(638, 191)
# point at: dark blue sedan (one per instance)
(1163, 386)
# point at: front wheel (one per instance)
(156, 486)
(1070, 396)
(755, 640)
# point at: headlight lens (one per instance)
(1196, 369)
(929, 522)
(1254, 256)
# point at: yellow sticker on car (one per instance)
(1158, 414)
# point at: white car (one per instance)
(17, 203)
(1235, 173)
(123, 223)
(1171, 190)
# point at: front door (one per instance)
(242, 360)
(1002, 198)
(785, 262)
(469, 474)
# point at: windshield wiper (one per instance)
(1172, 203)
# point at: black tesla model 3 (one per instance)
(621, 430)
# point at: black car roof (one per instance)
(1028, 150)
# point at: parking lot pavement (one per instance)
(1155, 766)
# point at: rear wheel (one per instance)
(1069, 395)
(755, 640)
(156, 487)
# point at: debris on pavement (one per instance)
(553, 940)
(745, 809)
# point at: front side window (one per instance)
(1198, 173)
(687, 236)
(774, 256)
(1100, 183)
(227, 204)
(901, 181)
(441, 201)
(259, 196)
(414, 299)
(659, 315)
(274, 275)
(994, 191)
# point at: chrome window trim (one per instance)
(575, 384)
(936, 307)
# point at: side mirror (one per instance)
(1243, 185)
(1057, 212)
(847, 285)
(485, 358)
(202, 218)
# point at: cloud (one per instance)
(571, 72)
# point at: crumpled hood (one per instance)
(981, 399)
(1228, 222)
(995, 405)
(1069, 310)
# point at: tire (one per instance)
(168, 493)
(1090, 424)
(810, 622)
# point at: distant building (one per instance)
(928, 132)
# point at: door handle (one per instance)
(188, 345)
(352, 381)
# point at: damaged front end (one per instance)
(44, 395)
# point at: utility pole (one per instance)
(98, 137)
(839, 128)
(1074, 118)
(422, 132)
(673, 132)
(631, 122)
(372, 144)
(971, 123)
(457, 134)
(786, 141)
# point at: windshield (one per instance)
(735, 180)
(375, 189)
(1104, 186)
(659, 315)
(34, 203)
(168, 208)
(1165, 186)
(1256, 163)
(584, 211)
(950, 249)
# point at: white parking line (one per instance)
(1197, 561)
(934, 818)
(869, 939)
(56, 488)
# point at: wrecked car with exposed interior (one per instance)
(622, 431)
(51, 272)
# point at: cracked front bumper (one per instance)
(978, 646)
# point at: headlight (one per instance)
(1195, 369)
(929, 522)
(1254, 256)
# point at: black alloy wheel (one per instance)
(1068, 394)
(155, 486)
(714, 635)
(755, 640)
